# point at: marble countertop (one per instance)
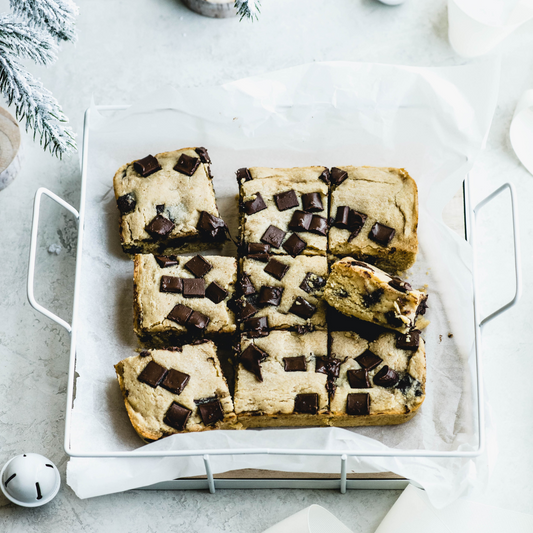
(129, 48)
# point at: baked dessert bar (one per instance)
(176, 296)
(374, 216)
(175, 390)
(380, 382)
(364, 291)
(167, 204)
(285, 208)
(278, 382)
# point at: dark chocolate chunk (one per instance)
(386, 377)
(146, 166)
(302, 308)
(251, 360)
(328, 365)
(211, 227)
(273, 236)
(204, 156)
(368, 360)
(409, 341)
(153, 374)
(270, 295)
(211, 412)
(286, 200)
(175, 381)
(276, 268)
(193, 288)
(256, 249)
(367, 330)
(381, 234)
(361, 264)
(354, 233)
(177, 416)
(341, 293)
(215, 292)
(306, 403)
(358, 379)
(300, 221)
(337, 176)
(256, 327)
(319, 225)
(254, 206)
(246, 286)
(179, 314)
(358, 403)
(312, 283)
(372, 298)
(160, 208)
(422, 307)
(197, 320)
(144, 353)
(187, 164)
(400, 285)
(312, 202)
(171, 284)
(244, 309)
(295, 364)
(160, 227)
(393, 320)
(243, 174)
(407, 382)
(342, 218)
(294, 245)
(165, 261)
(324, 176)
(198, 266)
(126, 203)
(356, 219)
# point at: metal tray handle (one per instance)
(33, 252)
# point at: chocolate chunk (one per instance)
(328, 365)
(211, 412)
(341, 293)
(177, 416)
(337, 176)
(294, 245)
(342, 218)
(361, 264)
(276, 268)
(160, 227)
(358, 403)
(211, 227)
(386, 377)
(215, 292)
(302, 308)
(286, 200)
(254, 206)
(300, 221)
(197, 320)
(312, 202)
(204, 156)
(306, 403)
(147, 166)
(257, 249)
(367, 330)
(381, 234)
(175, 381)
(256, 327)
(243, 174)
(295, 364)
(246, 285)
(126, 203)
(356, 219)
(251, 360)
(324, 176)
(244, 309)
(153, 374)
(409, 341)
(372, 298)
(273, 236)
(354, 233)
(160, 208)
(165, 261)
(393, 320)
(400, 285)
(368, 360)
(422, 307)
(198, 266)
(312, 283)
(187, 164)
(270, 295)
(358, 379)
(319, 225)
(179, 314)
(193, 288)
(144, 353)
(171, 284)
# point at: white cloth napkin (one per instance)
(521, 132)
(312, 519)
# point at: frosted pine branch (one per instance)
(36, 104)
(57, 17)
(248, 8)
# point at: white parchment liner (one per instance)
(432, 122)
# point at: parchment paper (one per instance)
(432, 122)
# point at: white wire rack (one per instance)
(342, 482)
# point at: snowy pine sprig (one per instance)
(248, 8)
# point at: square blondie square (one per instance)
(167, 204)
(285, 209)
(282, 292)
(374, 216)
(380, 381)
(178, 297)
(280, 380)
(176, 390)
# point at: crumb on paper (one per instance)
(54, 249)
(450, 335)
(440, 338)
